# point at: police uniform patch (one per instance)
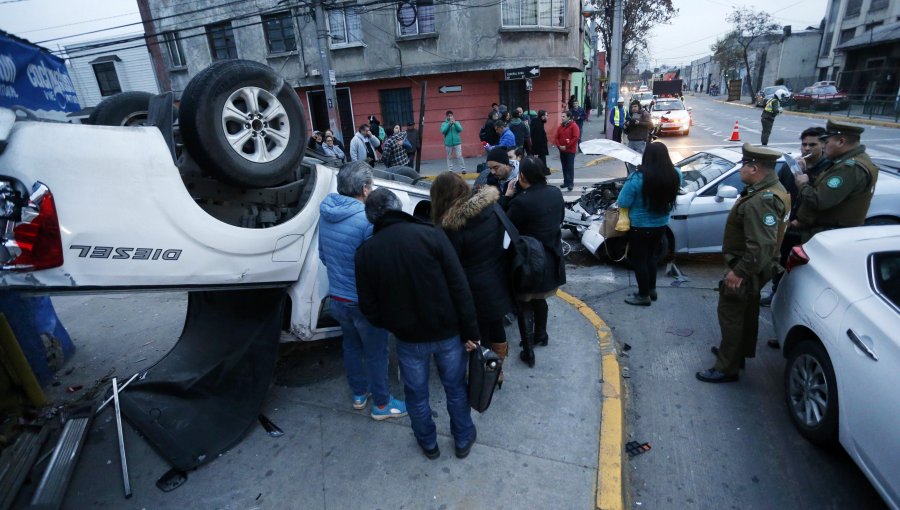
(834, 182)
(769, 220)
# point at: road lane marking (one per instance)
(609, 466)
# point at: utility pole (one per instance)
(615, 58)
(334, 117)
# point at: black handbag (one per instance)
(484, 371)
(529, 257)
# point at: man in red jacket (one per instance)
(567, 141)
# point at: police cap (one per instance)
(837, 127)
(759, 154)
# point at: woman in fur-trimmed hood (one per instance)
(476, 232)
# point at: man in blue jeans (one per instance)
(342, 228)
(411, 283)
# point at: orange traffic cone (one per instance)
(736, 134)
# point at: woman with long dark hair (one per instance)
(537, 211)
(649, 194)
(475, 230)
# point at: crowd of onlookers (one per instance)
(441, 287)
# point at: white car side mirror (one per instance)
(726, 192)
(690, 108)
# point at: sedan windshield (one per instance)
(642, 96)
(700, 169)
(662, 106)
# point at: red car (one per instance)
(822, 96)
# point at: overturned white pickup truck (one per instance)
(230, 216)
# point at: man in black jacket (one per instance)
(410, 282)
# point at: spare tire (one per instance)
(123, 109)
(243, 124)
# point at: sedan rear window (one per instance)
(886, 277)
(700, 169)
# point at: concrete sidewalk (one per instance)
(537, 444)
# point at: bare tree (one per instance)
(749, 25)
(727, 53)
(640, 16)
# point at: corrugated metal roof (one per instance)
(880, 35)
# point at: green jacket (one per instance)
(755, 227)
(840, 196)
(451, 133)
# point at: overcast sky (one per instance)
(688, 37)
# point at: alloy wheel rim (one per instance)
(808, 389)
(255, 124)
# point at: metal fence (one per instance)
(880, 107)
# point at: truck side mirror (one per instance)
(726, 192)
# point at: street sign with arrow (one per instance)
(450, 88)
(520, 73)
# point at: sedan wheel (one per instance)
(811, 392)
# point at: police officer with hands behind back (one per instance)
(841, 194)
(753, 233)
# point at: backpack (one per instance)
(528, 257)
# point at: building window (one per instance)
(534, 13)
(878, 5)
(873, 25)
(221, 41)
(174, 49)
(345, 26)
(416, 20)
(846, 35)
(396, 106)
(853, 8)
(279, 29)
(826, 44)
(107, 79)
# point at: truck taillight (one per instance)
(31, 238)
(798, 257)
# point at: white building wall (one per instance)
(134, 70)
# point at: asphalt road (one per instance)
(712, 446)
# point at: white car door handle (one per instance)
(862, 346)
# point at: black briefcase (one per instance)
(484, 371)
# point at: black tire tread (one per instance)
(112, 110)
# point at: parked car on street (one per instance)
(671, 117)
(767, 93)
(821, 97)
(837, 314)
(712, 182)
(643, 97)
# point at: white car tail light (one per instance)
(30, 238)
(798, 257)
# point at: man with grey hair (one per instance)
(411, 283)
(342, 228)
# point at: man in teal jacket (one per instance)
(451, 128)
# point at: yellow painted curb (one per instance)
(612, 434)
(597, 161)
(471, 176)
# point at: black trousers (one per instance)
(643, 243)
(617, 134)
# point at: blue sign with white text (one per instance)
(34, 79)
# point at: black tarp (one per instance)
(203, 396)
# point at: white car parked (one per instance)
(837, 315)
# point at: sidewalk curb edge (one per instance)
(812, 115)
(609, 493)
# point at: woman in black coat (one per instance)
(473, 227)
(537, 211)
(539, 146)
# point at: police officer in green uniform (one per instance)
(753, 233)
(840, 196)
(771, 110)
